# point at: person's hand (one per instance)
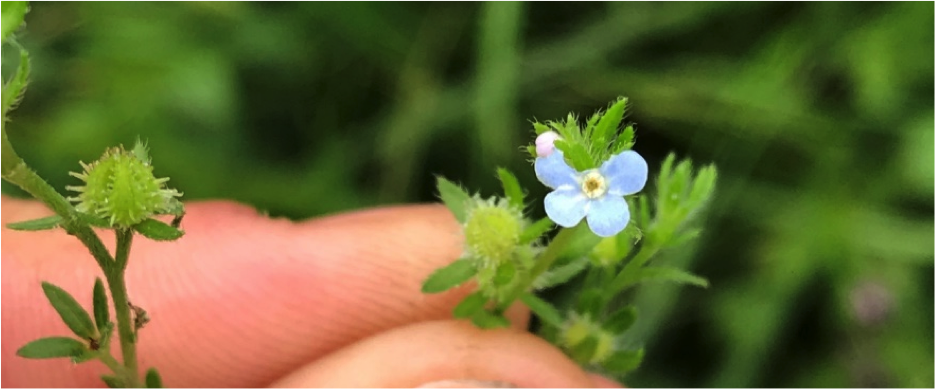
(244, 300)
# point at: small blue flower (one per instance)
(596, 193)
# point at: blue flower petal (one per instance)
(554, 172)
(566, 207)
(626, 173)
(608, 215)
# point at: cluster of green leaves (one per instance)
(591, 330)
(600, 139)
(92, 341)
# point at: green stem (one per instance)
(15, 170)
(111, 363)
(628, 274)
(543, 263)
(118, 291)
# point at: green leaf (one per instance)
(153, 380)
(665, 273)
(590, 302)
(576, 153)
(511, 188)
(471, 304)
(112, 381)
(505, 273)
(540, 128)
(53, 347)
(607, 126)
(625, 140)
(74, 316)
(84, 356)
(157, 230)
(561, 274)
(13, 13)
(449, 276)
(621, 320)
(543, 309)
(46, 223)
(535, 230)
(584, 351)
(623, 362)
(487, 320)
(455, 198)
(101, 309)
(13, 89)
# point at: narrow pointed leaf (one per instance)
(576, 154)
(111, 381)
(511, 188)
(101, 309)
(455, 198)
(505, 273)
(153, 380)
(157, 230)
(449, 276)
(487, 320)
(621, 320)
(664, 273)
(607, 126)
(46, 223)
(14, 89)
(52, 347)
(545, 310)
(561, 274)
(535, 230)
(13, 14)
(583, 352)
(471, 304)
(624, 361)
(74, 316)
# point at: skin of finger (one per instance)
(241, 299)
(439, 351)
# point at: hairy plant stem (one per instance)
(118, 291)
(15, 170)
(543, 263)
(628, 275)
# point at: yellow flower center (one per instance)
(594, 185)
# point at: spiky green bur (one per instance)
(121, 188)
(586, 341)
(492, 232)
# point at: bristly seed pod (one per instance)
(121, 188)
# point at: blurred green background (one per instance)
(819, 116)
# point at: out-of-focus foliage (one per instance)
(819, 116)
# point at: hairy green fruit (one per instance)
(121, 188)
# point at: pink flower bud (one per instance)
(545, 143)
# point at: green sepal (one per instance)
(471, 304)
(622, 362)
(455, 198)
(511, 188)
(545, 310)
(153, 380)
(74, 316)
(157, 230)
(112, 381)
(621, 320)
(584, 351)
(449, 276)
(53, 347)
(45, 223)
(101, 308)
(487, 320)
(576, 153)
